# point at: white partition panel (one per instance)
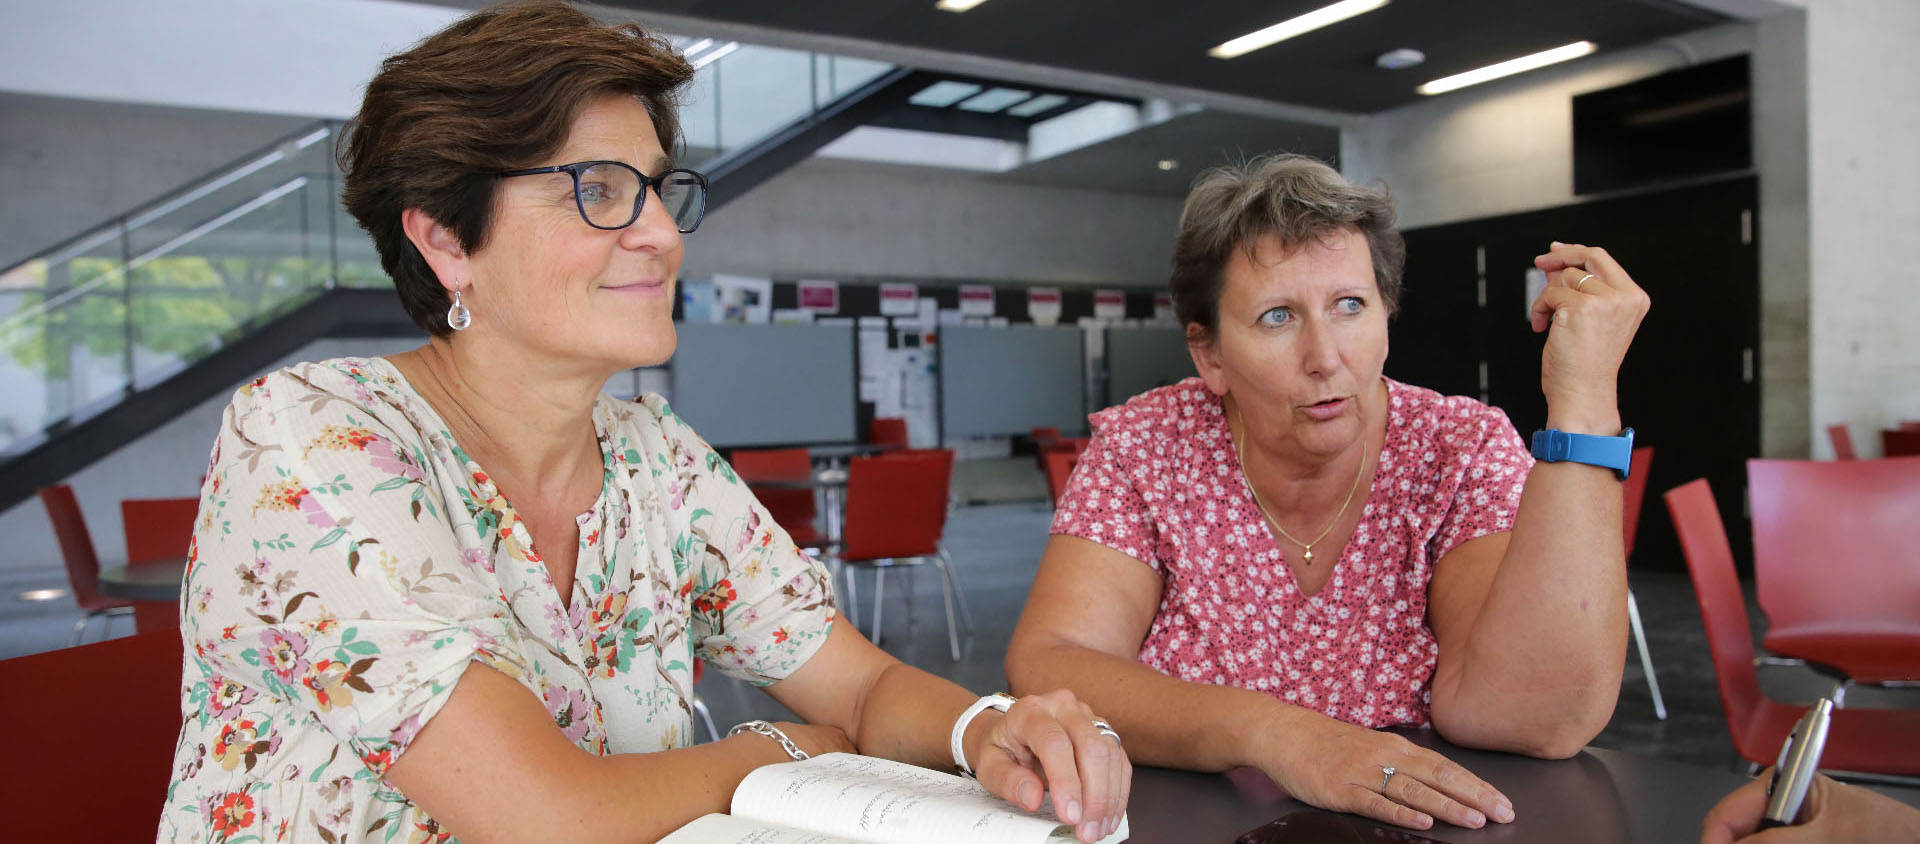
(1009, 379)
(748, 385)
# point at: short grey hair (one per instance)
(1294, 197)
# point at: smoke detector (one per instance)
(1400, 59)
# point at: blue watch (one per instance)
(1614, 453)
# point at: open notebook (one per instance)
(840, 798)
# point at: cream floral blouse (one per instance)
(350, 561)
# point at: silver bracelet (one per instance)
(772, 732)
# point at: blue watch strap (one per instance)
(1614, 453)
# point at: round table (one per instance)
(154, 580)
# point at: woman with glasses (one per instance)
(458, 592)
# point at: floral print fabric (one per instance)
(1160, 482)
(350, 561)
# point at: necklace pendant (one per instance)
(1307, 557)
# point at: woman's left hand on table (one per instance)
(1050, 743)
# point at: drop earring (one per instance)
(458, 317)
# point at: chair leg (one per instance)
(706, 718)
(1646, 659)
(959, 594)
(946, 593)
(80, 627)
(841, 572)
(879, 592)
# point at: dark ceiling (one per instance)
(1167, 42)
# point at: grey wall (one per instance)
(846, 220)
(67, 165)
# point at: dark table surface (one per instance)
(1597, 796)
(152, 580)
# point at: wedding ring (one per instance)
(1387, 777)
(1583, 280)
(1106, 729)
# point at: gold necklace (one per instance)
(1306, 547)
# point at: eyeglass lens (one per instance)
(610, 196)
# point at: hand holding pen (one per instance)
(1835, 813)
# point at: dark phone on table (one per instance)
(1316, 827)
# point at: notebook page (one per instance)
(727, 829)
(882, 801)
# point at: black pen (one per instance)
(1799, 761)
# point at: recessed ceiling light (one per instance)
(1507, 68)
(1291, 27)
(994, 99)
(42, 594)
(957, 5)
(1168, 164)
(944, 93)
(1400, 59)
(1044, 102)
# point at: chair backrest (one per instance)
(1842, 442)
(92, 730)
(76, 546)
(158, 528)
(888, 430)
(1900, 442)
(1835, 540)
(1060, 463)
(896, 504)
(772, 464)
(1635, 490)
(1716, 585)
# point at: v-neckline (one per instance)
(484, 491)
(1341, 565)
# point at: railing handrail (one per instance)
(115, 223)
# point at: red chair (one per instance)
(896, 515)
(1834, 562)
(92, 731)
(1059, 468)
(83, 565)
(793, 509)
(1884, 741)
(888, 430)
(1900, 442)
(1635, 490)
(157, 530)
(1842, 442)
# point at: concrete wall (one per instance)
(1507, 147)
(1863, 137)
(165, 463)
(67, 165)
(844, 220)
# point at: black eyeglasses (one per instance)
(610, 194)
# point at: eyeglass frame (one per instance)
(647, 183)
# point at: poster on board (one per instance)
(1109, 304)
(820, 296)
(1043, 305)
(1163, 306)
(899, 300)
(976, 300)
(742, 299)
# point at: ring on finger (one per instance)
(1386, 776)
(1583, 280)
(1106, 729)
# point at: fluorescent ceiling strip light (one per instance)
(1038, 104)
(715, 55)
(1507, 68)
(1291, 27)
(957, 5)
(944, 93)
(994, 100)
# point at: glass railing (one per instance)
(121, 307)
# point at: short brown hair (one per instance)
(496, 90)
(1294, 197)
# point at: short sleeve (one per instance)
(761, 607)
(325, 570)
(1494, 464)
(1102, 504)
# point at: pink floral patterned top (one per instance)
(1160, 482)
(350, 561)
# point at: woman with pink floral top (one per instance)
(459, 592)
(1259, 565)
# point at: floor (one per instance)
(996, 547)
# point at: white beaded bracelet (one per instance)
(772, 732)
(993, 701)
